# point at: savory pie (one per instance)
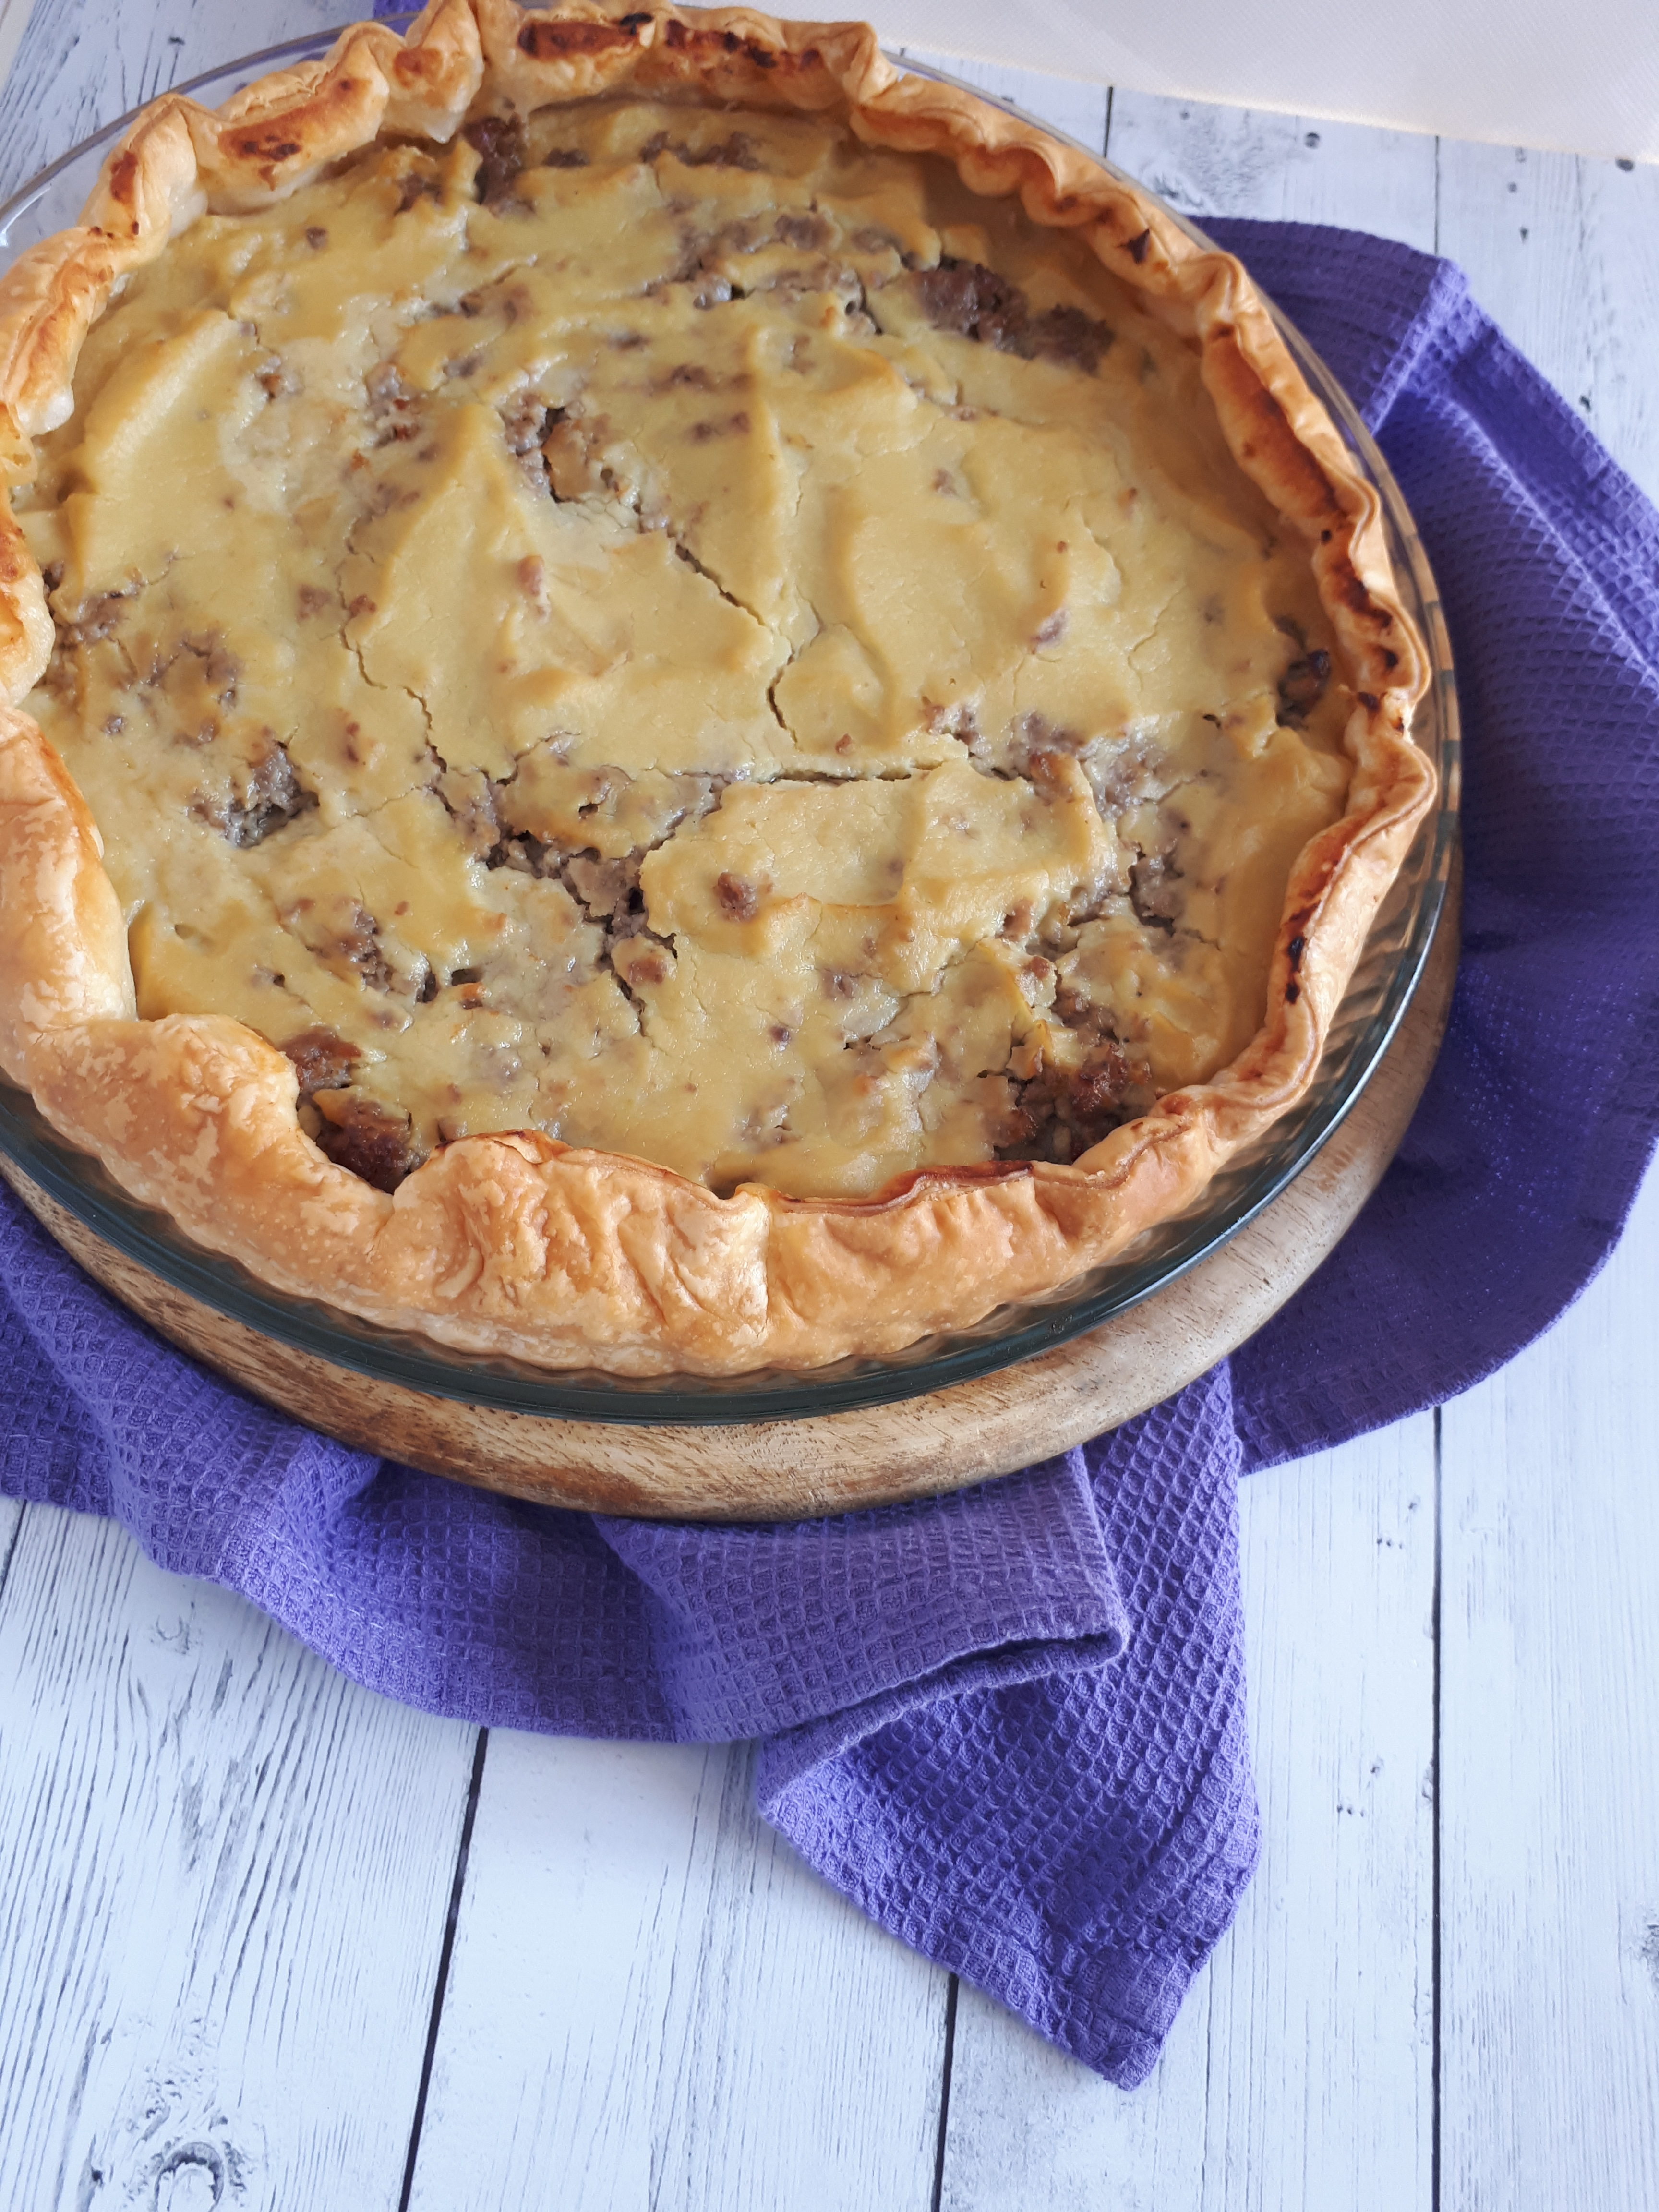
(681, 704)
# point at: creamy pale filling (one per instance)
(628, 627)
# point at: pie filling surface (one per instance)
(672, 628)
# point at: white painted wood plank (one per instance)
(1550, 1753)
(13, 21)
(1300, 2072)
(226, 1871)
(1278, 168)
(651, 1996)
(1079, 110)
(82, 63)
(1564, 254)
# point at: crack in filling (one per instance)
(707, 675)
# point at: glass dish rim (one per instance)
(413, 1361)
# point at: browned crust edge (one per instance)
(515, 1243)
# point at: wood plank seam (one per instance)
(13, 21)
(440, 1979)
(950, 1995)
(10, 1552)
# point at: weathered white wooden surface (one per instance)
(226, 1873)
(1564, 254)
(696, 2021)
(227, 1969)
(1278, 168)
(14, 20)
(1549, 1746)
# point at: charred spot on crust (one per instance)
(565, 157)
(323, 1060)
(368, 1138)
(976, 302)
(555, 41)
(1301, 687)
(253, 146)
(678, 36)
(498, 140)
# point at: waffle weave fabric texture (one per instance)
(1011, 1723)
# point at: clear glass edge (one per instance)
(153, 1240)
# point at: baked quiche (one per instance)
(677, 703)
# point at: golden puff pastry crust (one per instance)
(711, 1254)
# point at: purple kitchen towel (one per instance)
(1541, 1114)
(1011, 1723)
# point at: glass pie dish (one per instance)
(1381, 987)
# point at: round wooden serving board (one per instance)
(787, 1470)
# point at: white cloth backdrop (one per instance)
(1578, 74)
